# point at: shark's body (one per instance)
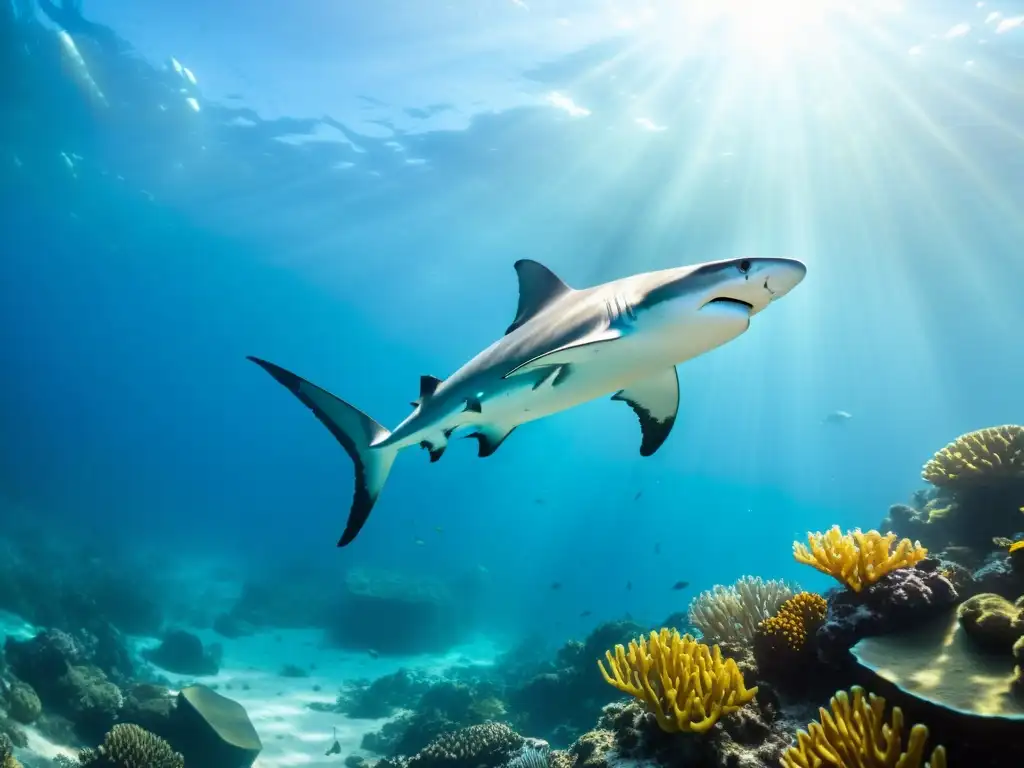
(565, 347)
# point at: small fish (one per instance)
(638, 495)
(439, 529)
(837, 417)
(482, 569)
(539, 501)
(335, 747)
(657, 548)
(680, 585)
(556, 585)
(419, 542)
(629, 586)
(585, 614)
(1002, 541)
(373, 654)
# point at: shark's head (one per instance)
(718, 297)
(749, 284)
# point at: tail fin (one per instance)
(356, 432)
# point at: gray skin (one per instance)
(565, 347)
(651, 321)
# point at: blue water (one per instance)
(346, 196)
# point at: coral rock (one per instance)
(214, 731)
(896, 601)
(23, 703)
(992, 622)
(183, 653)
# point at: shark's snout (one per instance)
(782, 276)
(752, 284)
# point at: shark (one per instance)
(565, 346)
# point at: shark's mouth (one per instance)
(727, 300)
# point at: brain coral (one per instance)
(986, 455)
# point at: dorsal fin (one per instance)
(428, 385)
(538, 287)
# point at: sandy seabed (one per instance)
(292, 733)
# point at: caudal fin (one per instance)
(355, 431)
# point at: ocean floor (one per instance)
(292, 734)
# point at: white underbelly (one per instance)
(606, 369)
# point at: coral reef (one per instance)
(7, 759)
(561, 699)
(753, 737)
(900, 599)
(857, 559)
(978, 484)
(65, 585)
(732, 614)
(992, 622)
(855, 734)
(52, 664)
(479, 746)
(785, 646)
(382, 697)
(686, 684)
(129, 746)
(984, 456)
(23, 703)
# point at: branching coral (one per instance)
(857, 558)
(687, 685)
(983, 455)
(129, 746)
(855, 735)
(731, 614)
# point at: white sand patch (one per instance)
(293, 734)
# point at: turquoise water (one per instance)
(343, 188)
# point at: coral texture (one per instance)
(129, 746)
(855, 735)
(895, 602)
(785, 646)
(491, 744)
(856, 558)
(687, 685)
(981, 456)
(733, 613)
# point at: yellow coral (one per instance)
(686, 684)
(799, 616)
(854, 735)
(985, 454)
(857, 558)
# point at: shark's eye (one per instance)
(744, 266)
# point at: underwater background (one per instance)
(343, 188)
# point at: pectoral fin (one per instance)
(490, 437)
(581, 350)
(655, 401)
